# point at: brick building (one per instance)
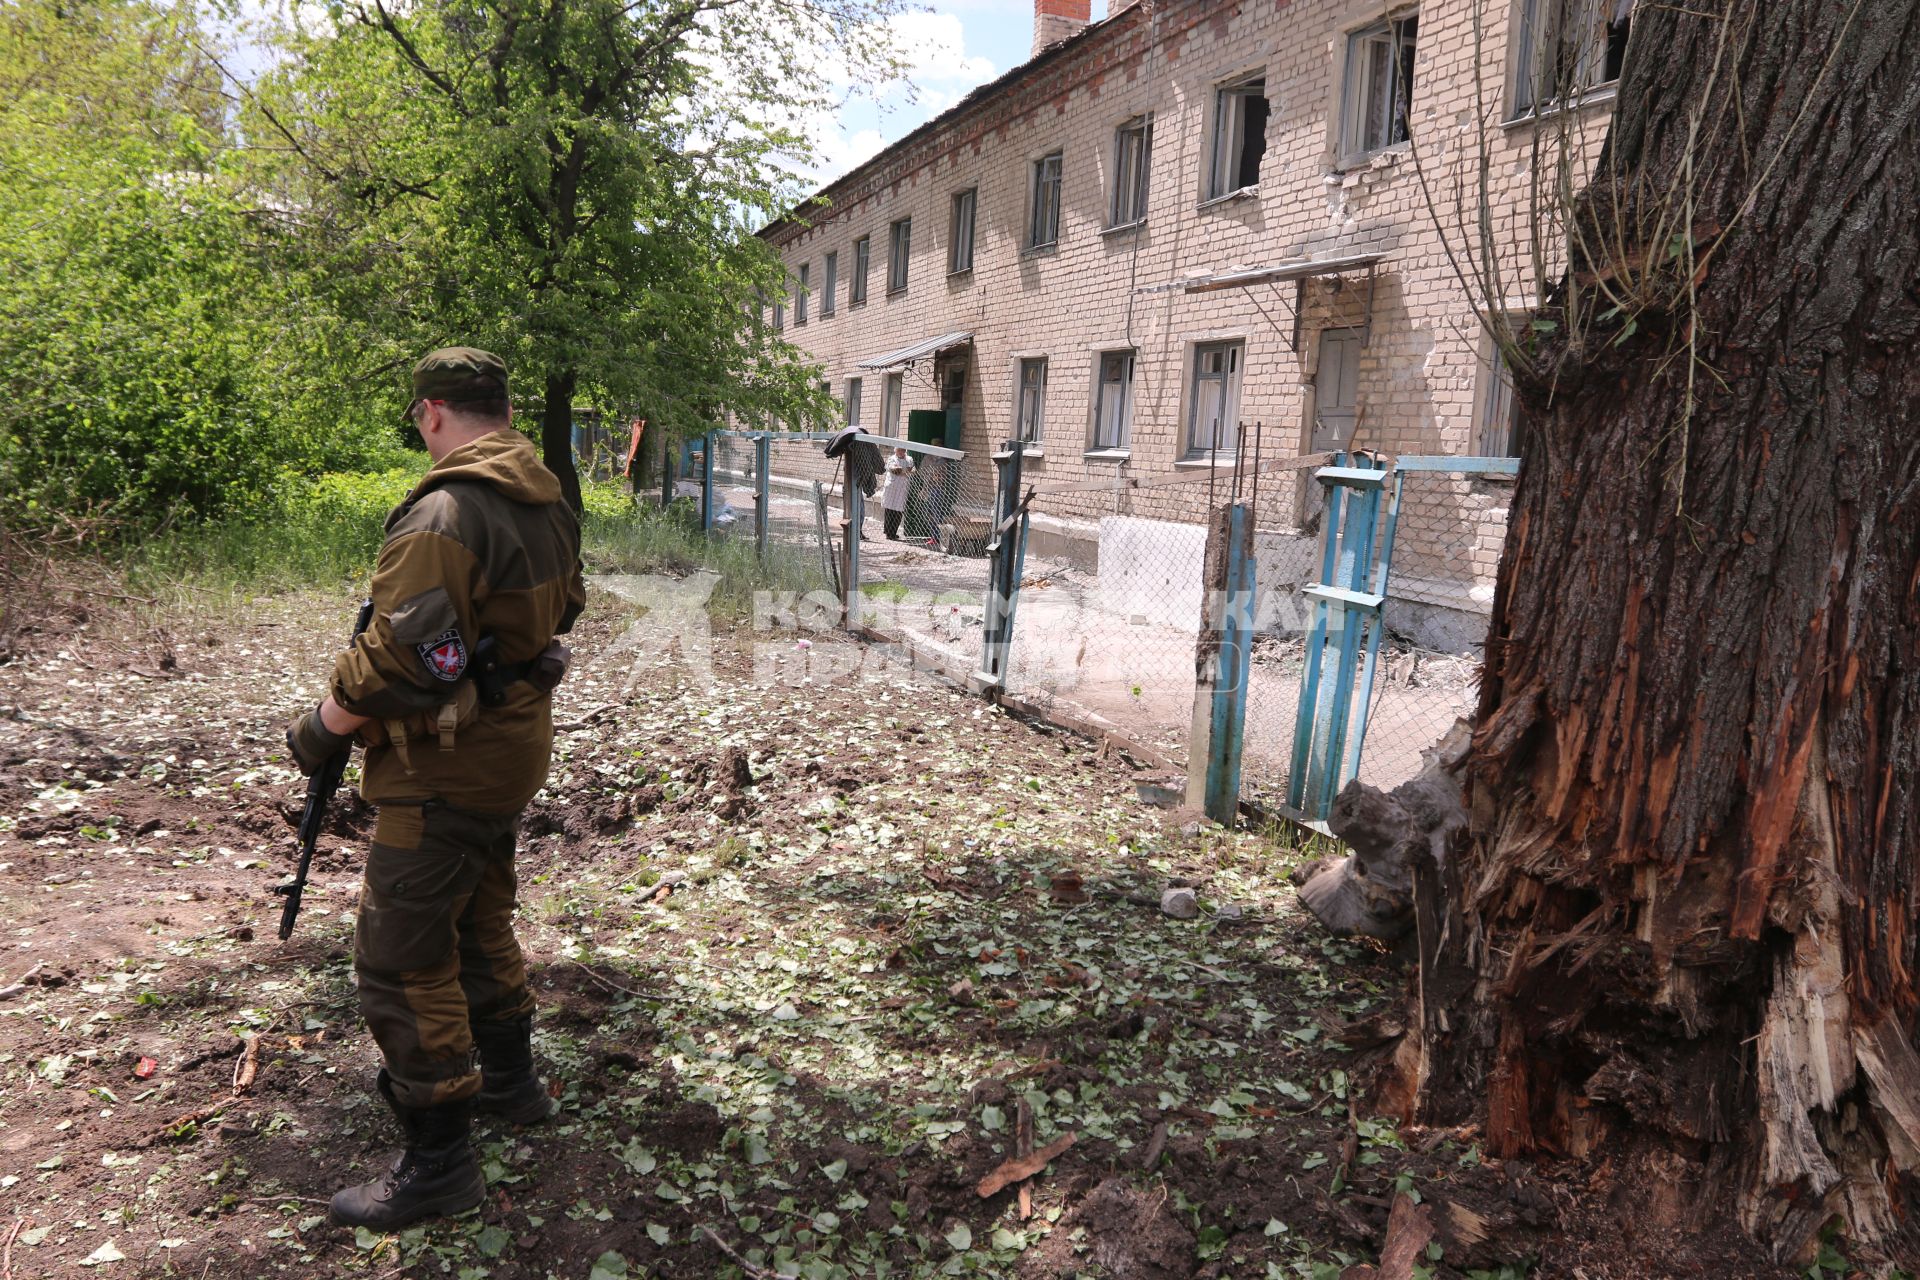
(1195, 216)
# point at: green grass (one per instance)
(620, 535)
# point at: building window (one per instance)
(1031, 412)
(960, 254)
(1132, 152)
(1113, 401)
(1379, 87)
(1499, 411)
(891, 392)
(857, 283)
(1213, 418)
(1568, 48)
(899, 247)
(1043, 225)
(1239, 135)
(800, 296)
(832, 283)
(779, 315)
(853, 402)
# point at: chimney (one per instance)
(1055, 20)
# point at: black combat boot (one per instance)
(436, 1174)
(508, 1085)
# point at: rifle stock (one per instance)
(320, 788)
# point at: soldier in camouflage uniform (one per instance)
(450, 690)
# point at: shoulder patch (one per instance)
(445, 656)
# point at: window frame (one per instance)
(893, 396)
(1493, 395)
(1022, 365)
(862, 267)
(780, 315)
(1132, 172)
(899, 254)
(1231, 379)
(1362, 94)
(800, 292)
(1041, 208)
(1230, 98)
(830, 283)
(959, 263)
(1533, 37)
(1123, 441)
(851, 401)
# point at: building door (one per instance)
(892, 391)
(1336, 385)
(953, 395)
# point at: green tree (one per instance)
(570, 184)
(148, 349)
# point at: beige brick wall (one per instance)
(1422, 372)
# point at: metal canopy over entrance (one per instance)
(1297, 270)
(919, 350)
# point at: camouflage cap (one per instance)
(459, 373)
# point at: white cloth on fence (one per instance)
(899, 477)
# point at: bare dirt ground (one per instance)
(804, 981)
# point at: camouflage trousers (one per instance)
(433, 944)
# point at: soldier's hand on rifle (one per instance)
(320, 734)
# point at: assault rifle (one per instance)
(320, 788)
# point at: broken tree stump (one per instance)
(1370, 891)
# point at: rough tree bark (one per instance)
(1678, 933)
(556, 434)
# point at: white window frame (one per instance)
(1030, 400)
(1113, 400)
(965, 210)
(1043, 203)
(831, 284)
(1232, 372)
(1132, 167)
(899, 254)
(862, 265)
(800, 295)
(1379, 87)
(853, 402)
(893, 391)
(1537, 27)
(1230, 134)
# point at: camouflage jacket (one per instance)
(484, 545)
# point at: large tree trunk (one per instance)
(556, 434)
(1680, 930)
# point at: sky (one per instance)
(952, 47)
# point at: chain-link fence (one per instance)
(923, 552)
(1448, 532)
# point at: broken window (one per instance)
(1213, 414)
(1239, 135)
(1043, 227)
(831, 284)
(1033, 397)
(1499, 411)
(800, 296)
(1132, 150)
(853, 402)
(857, 283)
(1113, 401)
(1568, 48)
(899, 246)
(1379, 87)
(960, 254)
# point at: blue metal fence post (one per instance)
(1223, 664)
(1321, 759)
(1006, 560)
(762, 490)
(706, 480)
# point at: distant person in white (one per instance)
(894, 497)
